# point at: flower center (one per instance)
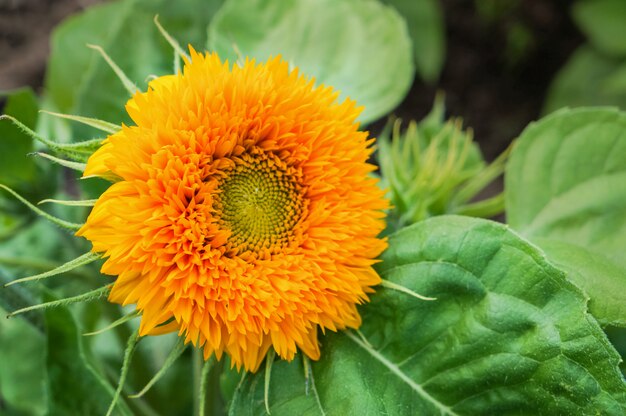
(259, 200)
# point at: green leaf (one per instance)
(287, 394)
(603, 23)
(588, 79)
(16, 167)
(424, 19)
(80, 82)
(23, 378)
(76, 388)
(359, 47)
(566, 185)
(508, 334)
(594, 274)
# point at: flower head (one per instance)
(242, 212)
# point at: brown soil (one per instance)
(25, 27)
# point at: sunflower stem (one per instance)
(204, 383)
(128, 354)
(197, 360)
(269, 361)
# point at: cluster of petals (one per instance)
(242, 212)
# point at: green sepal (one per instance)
(78, 151)
(84, 297)
(174, 354)
(66, 163)
(62, 223)
(70, 265)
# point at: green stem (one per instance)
(196, 364)
(204, 386)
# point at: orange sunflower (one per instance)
(242, 211)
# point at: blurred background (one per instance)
(501, 57)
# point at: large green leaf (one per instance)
(424, 19)
(508, 334)
(359, 47)
(588, 79)
(78, 79)
(604, 23)
(594, 274)
(566, 190)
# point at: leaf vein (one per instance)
(395, 370)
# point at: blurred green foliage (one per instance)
(16, 166)
(361, 48)
(596, 72)
(424, 20)
(79, 82)
(566, 191)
